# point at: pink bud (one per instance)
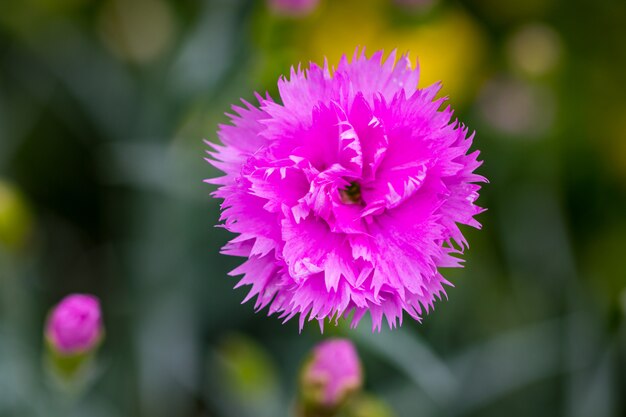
(75, 324)
(294, 8)
(333, 372)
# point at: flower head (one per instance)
(331, 374)
(347, 195)
(75, 326)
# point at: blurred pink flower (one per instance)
(333, 372)
(295, 8)
(347, 195)
(75, 325)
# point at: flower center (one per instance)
(351, 194)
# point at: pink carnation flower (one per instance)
(75, 324)
(346, 197)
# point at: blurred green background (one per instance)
(103, 108)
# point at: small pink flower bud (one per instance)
(75, 325)
(293, 8)
(331, 375)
